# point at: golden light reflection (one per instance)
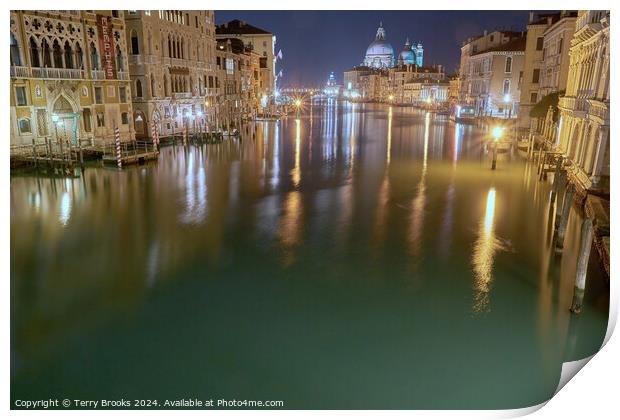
(483, 257)
(389, 136)
(419, 202)
(296, 172)
(289, 231)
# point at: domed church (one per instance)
(411, 54)
(380, 53)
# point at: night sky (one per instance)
(314, 43)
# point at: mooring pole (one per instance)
(561, 194)
(582, 266)
(494, 163)
(566, 208)
(556, 177)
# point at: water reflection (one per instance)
(264, 250)
(484, 252)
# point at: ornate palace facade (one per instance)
(172, 67)
(583, 129)
(69, 77)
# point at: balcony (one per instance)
(599, 109)
(46, 73)
(100, 75)
(182, 95)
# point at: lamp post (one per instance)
(507, 101)
(497, 134)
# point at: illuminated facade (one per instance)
(69, 78)
(380, 54)
(583, 128)
(492, 79)
(172, 67)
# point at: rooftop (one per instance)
(517, 44)
(235, 27)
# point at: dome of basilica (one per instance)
(380, 52)
(406, 56)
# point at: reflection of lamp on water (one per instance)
(297, 105)
(497, 134)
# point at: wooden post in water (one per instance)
(494, 163)
(69, 158)
(81, 154)
(566, 208)
(34, 154)
(582, 266)
(561, 194)
(556, 177)
(117, 139)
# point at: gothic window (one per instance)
(119, 59)
(47, 54)
(79, 57)
(124, 118)
(94, 57)
(134, 43)
(42, 122)
(153, 86)
(57, 55)
(20, 96)
(138, 88)
(16, 59)
(68, 55)
(34, 53)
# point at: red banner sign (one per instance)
(106, 45)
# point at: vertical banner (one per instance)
(117, 139)
(106, 45)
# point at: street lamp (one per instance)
(391, 98)
(297, 104)
(497, 134)
(507, 100)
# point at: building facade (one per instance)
(583, 129)
(534, 45)
(493, 79)
(69, 76)
(473, 46)
(172, 69)
(555, 61)
(261, 42)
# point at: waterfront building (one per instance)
(332, 89)
(171, 63)
(379, 53)
(475, 45)
(238, 81)
(555, 62)
(400, 75)
(411, 55)
(493, 77)
(69, 78)
(258, 40)
(454, 88)
(583, 127)
(534, 45)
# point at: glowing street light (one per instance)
(391, 98)
(497, 134)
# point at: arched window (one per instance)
(35, 61)
(506, 86)
(166, 86)
(68, 55)
(134, 43)
(16, 59)
(47, 54)
(138, 88)
(150, 43)
(182, 48)
(94, 57)
(169, 47)
(57, 55)
(120, 64)
(79, 57)
(508, 67)
(153, 94)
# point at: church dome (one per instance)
(379, 53)
(407, 56)
(380, 47)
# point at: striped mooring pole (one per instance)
(117, 139)
(155, 135)
(185, 136)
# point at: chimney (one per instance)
(531, 17)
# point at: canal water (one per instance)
(360, 256)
